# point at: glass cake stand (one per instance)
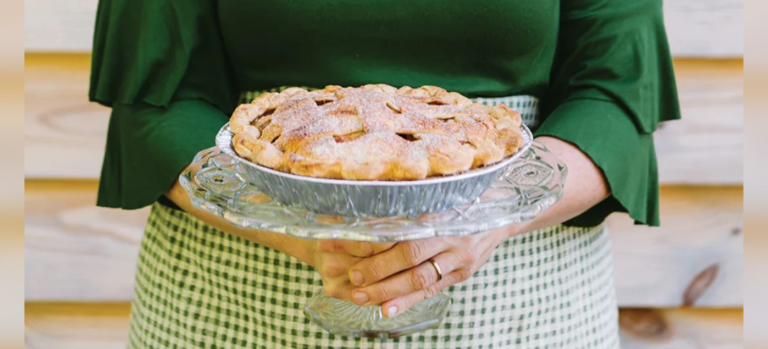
(528, 186)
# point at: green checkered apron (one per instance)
(198, 287)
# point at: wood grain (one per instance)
(105, 326)
(65, 135)
(705, 28)
(59, 25)
(76, 326)
(681, 328)
(695, 258)
(696, 28)
(77, 252)
(707, 145)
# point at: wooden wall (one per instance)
(679, 286)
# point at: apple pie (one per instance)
(373, 132)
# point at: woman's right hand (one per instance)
(333, 260)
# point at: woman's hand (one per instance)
(334, 258)
(301, 249)
(403, 275)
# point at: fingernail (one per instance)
(360, 298)
(356, 278)
(392, 311)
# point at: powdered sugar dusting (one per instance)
(377, 124)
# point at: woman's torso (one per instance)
(197, 287)
(486, 48)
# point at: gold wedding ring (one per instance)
(437, 268)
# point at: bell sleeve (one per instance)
(161, 66)
(611, 85)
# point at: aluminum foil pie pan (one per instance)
(352, 198)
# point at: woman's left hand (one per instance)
(403, 275)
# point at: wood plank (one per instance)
(76, 326)
(695, 28)
(65, 135)
(695, 258)
(59, 25)
(707, 145)
(77, 252)
(105, 326)
(682, 328)
(708, 28)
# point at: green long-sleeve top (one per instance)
(172, 70)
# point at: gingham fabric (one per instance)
(198, 287)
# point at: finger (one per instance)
(401, 304)
(355, 248)
(336, 265)
(329, 246)
(365, 249)
(403, 256)
(404, 283)
(338, 288)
